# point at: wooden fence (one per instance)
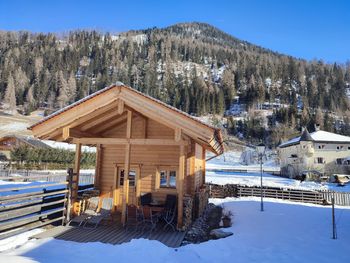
(296, 195)
(37, 204)
(46, 176)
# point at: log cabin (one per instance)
(161, 148)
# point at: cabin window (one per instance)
(167, 179)
(321, 146)
(348, 147)
(339, 147)
(132, 176)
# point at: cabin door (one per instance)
(133, 181)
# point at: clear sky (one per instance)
(301, 28)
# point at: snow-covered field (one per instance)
(253, 179)
(235, 159)
(218, 172)
(283, 233)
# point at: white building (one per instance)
(318, 152)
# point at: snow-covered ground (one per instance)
(219, 171)
(253, 179)
(235, 159)
(285, 232)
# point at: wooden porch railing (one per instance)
(36, 204)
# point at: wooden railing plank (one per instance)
(297, 195)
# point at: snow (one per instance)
(68, 146)
(18, 240)
(329, 136)
(238, 160)
(225, 170)
(14, 126)
(253, 179)
(321, 136)
(283, 233)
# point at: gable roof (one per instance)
(317, 136)
(202, 131)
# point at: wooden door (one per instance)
(134, 174)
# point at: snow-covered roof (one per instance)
(319, 136)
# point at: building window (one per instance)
(348, 147)
(321, 146)
(132, 177)
(339, 161)
(167, 179)
(340, 147)
(320, 160)
(294, 156)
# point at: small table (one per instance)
(157, 209)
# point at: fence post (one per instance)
(333, 220)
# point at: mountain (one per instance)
(192, 66)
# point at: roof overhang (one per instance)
(57, 125)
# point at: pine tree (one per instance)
(10, 96)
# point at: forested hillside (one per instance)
(192, 66)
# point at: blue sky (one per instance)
(307, 29)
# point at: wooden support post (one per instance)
(126, 167)
(144, 127)
(120, 106)
(203, 166)
(76, 171)
(178, 134)
(179, 187)
(68, 196)
(97, 166)
(115, 184)
(126, 182)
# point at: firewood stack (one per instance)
(187, 212)
(222, 191)
(202, 196)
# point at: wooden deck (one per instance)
(112, 234)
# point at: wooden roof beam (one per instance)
(99, 120)
(153, 113)
(79, 120)
(69, 133)
(122, 141)
(110, 123)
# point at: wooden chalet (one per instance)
(161, 148)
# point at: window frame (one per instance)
(320, 158)
(167, 170)
(132, 183)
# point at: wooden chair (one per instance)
(169, 213)
(91, 209)
(150, 219)
(105, 212)
(133, 217)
